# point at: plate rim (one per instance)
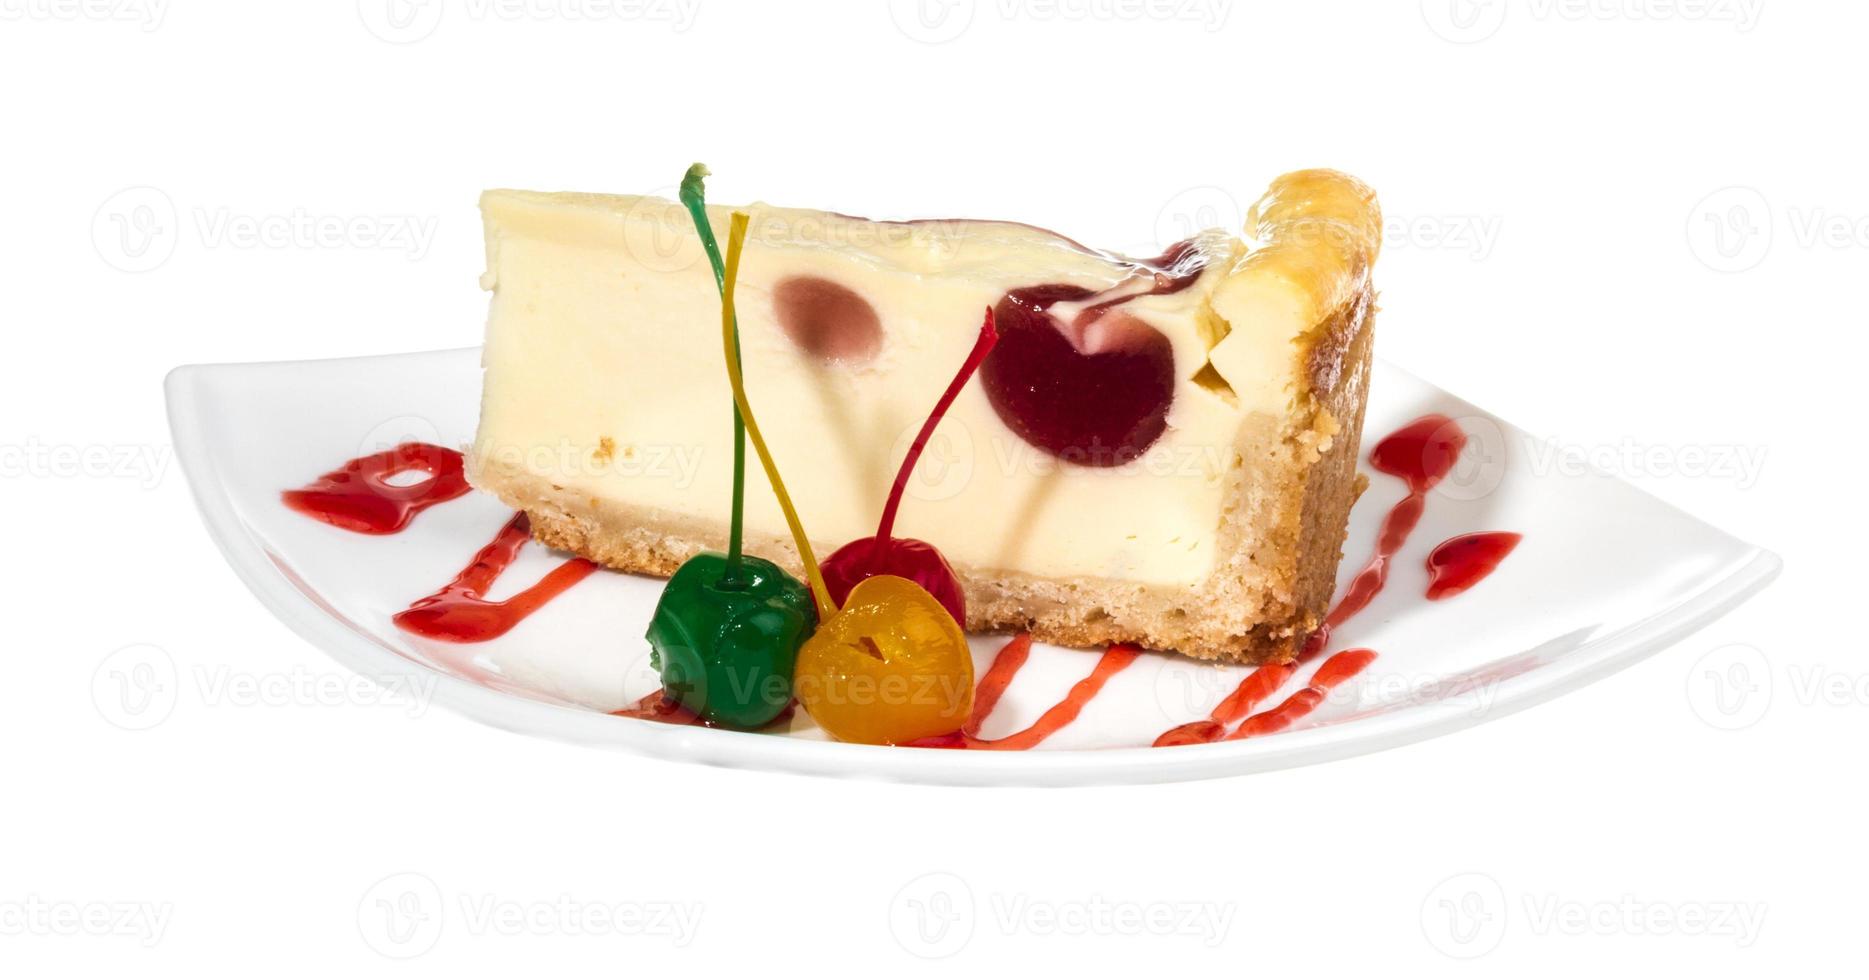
(1596, 658)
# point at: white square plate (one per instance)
(1605, 575)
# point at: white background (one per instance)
(1562, 246)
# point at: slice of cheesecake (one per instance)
(1160, 451)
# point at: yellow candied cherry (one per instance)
(892, 665)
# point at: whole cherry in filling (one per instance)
(826, 320)
(917, 561)
(1094, 391)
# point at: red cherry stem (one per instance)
(989, 335)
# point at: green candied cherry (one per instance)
(726, 632)
(726, 647)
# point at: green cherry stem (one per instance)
(694, 196)
(730, 337)
(989, 335)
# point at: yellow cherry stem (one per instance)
(736, 240)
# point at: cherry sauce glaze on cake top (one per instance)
(358, 497)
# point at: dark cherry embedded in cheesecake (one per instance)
(827, 320)
(1094, 391)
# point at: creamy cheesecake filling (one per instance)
(605, 381)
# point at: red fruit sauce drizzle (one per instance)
(1458, 564)
(358, 497)
(460, 613)
(657, 706)
(1005, 666)
(1421, 453)
(1339, 668)
(998, 678)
